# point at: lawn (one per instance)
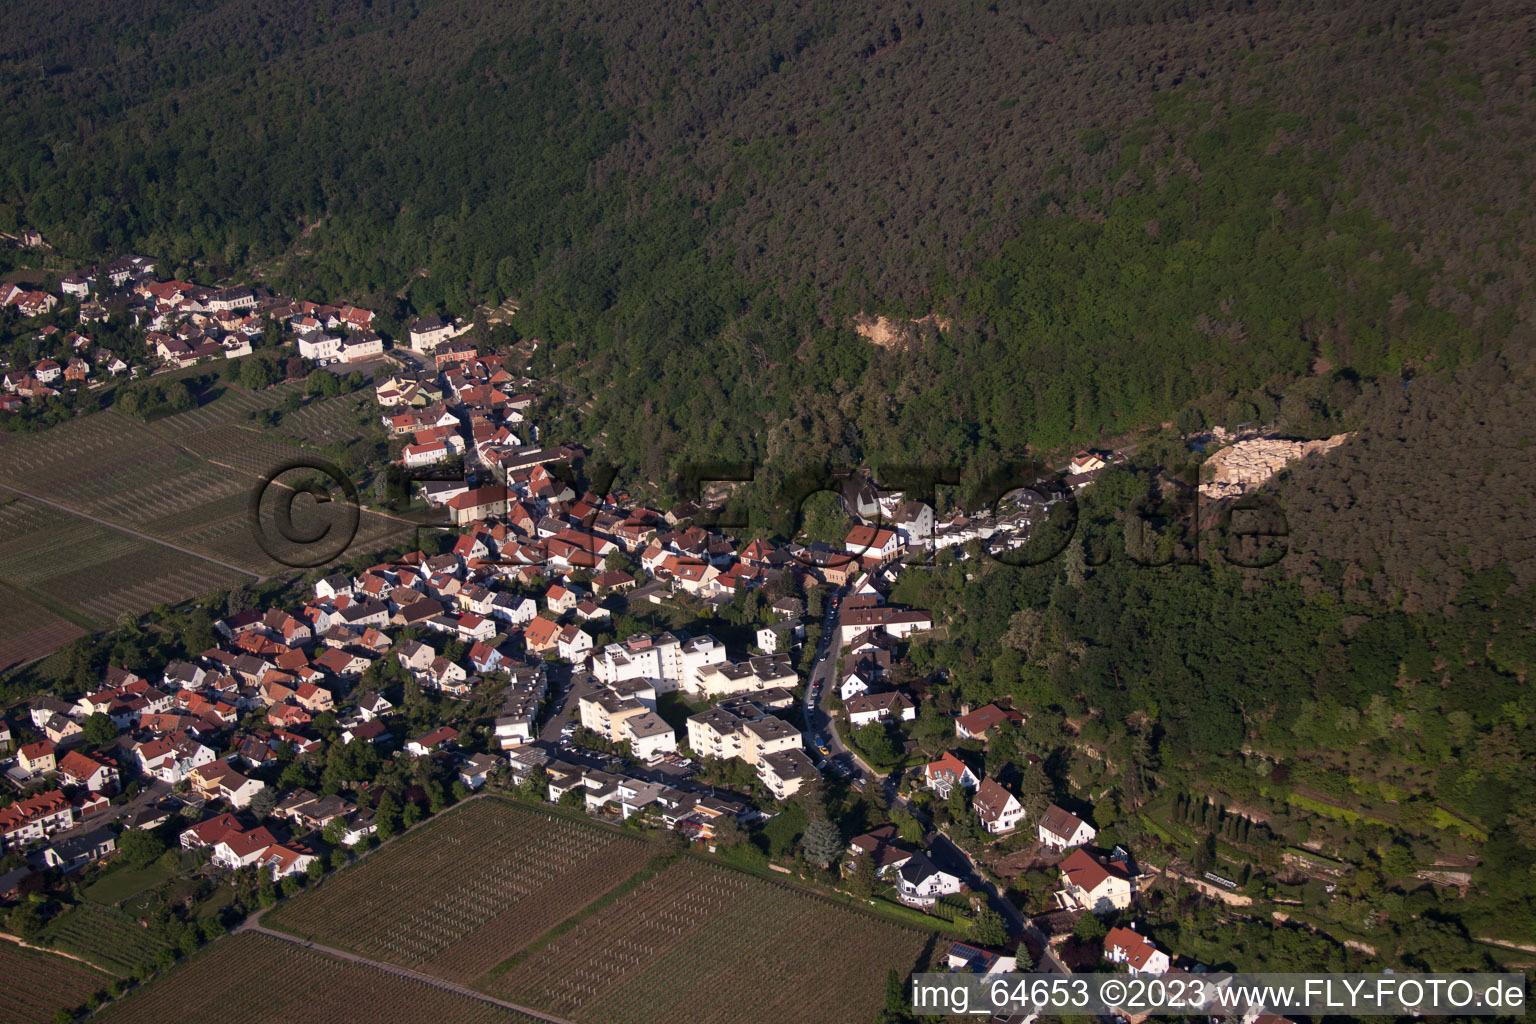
(125, 882)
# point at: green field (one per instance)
(187, 480)
(94, 570)
(522, 916)
(329, 421)
(257, 979)
(107, 938)
(38, 985)
(124, 882)
(29, 629)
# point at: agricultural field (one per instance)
(702, 944)
(108, 938)
(328, 421)
(229, 405)
(186, 479)
(38, 985)
(28, 630)
(459, 896)
(250, 978)
(93, 569)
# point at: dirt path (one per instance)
(253, 924)
(131, 532)
(8, 937)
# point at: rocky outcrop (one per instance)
(1246, 465)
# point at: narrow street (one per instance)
(820, 729)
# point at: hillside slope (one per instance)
(696, 200)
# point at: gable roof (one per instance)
(983, 719)
(1059, 822)
(1084, 872)
(948, 764)
(1135, 946)
(992, 799)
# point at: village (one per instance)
(180, 325)
(488, 657)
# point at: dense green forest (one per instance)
(1382, 663)
(1122, 209)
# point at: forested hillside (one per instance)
(1377, 674)
(1124, 209)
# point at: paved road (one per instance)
(566, 686)
(819, 726)
(253, 924)
(947, 855)
(950, 857)
(150, 794)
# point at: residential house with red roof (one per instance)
(978, 723)
(1088, 884)
(437, 739)
(943, 774)
(1128, 946)
(36, 758)
(35, 817)
(77, 768)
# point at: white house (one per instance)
(171, 762)
(1060, 829)
(474, 772)
(1128, 946)
(855, 683)
(1085, 461)
(428, 332)
(914, 524)
(414, 456)
(317, 345)
(999, 810)
(868, 708)
(871, 545)
(360, 346)
(510, 608)
(942, 775)
(573, 643)
(920, 882)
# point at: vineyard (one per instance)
(462, 894)
(94, 569)
(328, 421)
(108, 938)
(28, 630)
(700, 943)
(256, 979)
(186, 479)
(231, 405)
(38, 985)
